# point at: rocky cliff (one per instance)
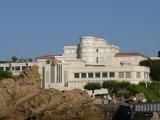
(23, 99)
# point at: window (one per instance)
(97, 59)
(97, 75)
(90, 75)
(47, 61)
(121, 74)
(83, 75)
(76, 75)
(17, 68)
(128, 74)
(66, 84)
(96, 50)
(104, 74)
(7, 68)
(138, 75)
(13, 68)
(1, 68)
(23, 67)
(111, 74)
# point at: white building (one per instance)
(16, 68)
(155, 58)
(93, 60)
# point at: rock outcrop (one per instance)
(23, 99)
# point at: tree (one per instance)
(30, 59)
(14, 59)
(92, 86)
(114, 86)
(154, 66)
(110, 84)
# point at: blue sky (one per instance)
(36, 27)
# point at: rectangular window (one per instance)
(17, 68)
(13, 68)
(90, 75)
(66, 84)
(7, 68)
(111, 74)
(47, 61)
(145, 75)
(76, 75)
(23, 67)
(96, 50)
(104, 74)
(97, 59)
(1, 68)
(97, 75)
(128, 74)
(138, 74)
(121, 74)
(83, 75)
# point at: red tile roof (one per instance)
(129, 54)
(47, 56)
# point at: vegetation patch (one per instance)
(126, 89)
(92, 86)
(5, 74)
(154, 66)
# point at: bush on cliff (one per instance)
(5, 74)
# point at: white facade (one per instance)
(93, 60)
(16, 68)
(155, 58)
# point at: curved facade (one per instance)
(92, 60)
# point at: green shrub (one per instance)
(150, 90)
(133, 89)
(3, 62)
(5, 74)
(92, 86)
(154, 66)
(115, 85)
(110, 84)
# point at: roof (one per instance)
(129, 54)
(47, 56)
